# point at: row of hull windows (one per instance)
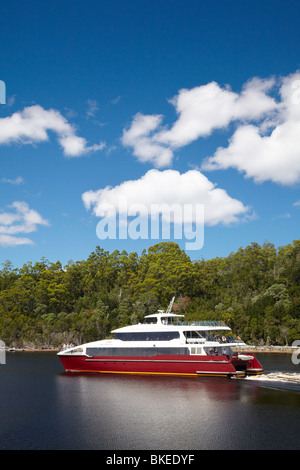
(154, 351)
(148, 336)
(143, 352)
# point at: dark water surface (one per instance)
(42, 407)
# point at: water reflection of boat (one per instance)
(165, 344)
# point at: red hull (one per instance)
(167, 365)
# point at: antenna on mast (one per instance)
(169, 309)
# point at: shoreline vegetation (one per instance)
(255, 291)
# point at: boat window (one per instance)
(135, 352)
(148, 336)
(170, 321)
(193, 337)
(209, 335)
(219, 351)
(196, 351)
(75, 351)
(192, 334)
(150, 321)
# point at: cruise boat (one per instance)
(165, 344)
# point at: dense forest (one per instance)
(256, 291)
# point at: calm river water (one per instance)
(42, 407)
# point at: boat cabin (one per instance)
(162, 318)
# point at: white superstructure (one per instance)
(167, 330)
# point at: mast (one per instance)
(169, 309)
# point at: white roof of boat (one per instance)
(164, 314)
(197, 325)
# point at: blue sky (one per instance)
(161, 101)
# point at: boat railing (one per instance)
(234, 339)
(204, 323)
(221, 340)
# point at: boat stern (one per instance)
(247, 363)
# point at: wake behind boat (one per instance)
(165, 344)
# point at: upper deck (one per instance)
(171, 321)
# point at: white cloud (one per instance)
(297, 203)
(20, 220)
(145, 147)
(92, 108)
(274, 156)
(9, 240)
(265, 145)
(166, 188)
(200, 110)
(18, 180)
(116, 100)
(76, 146)
(33, 124)
(203, 109)
(287, 215)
